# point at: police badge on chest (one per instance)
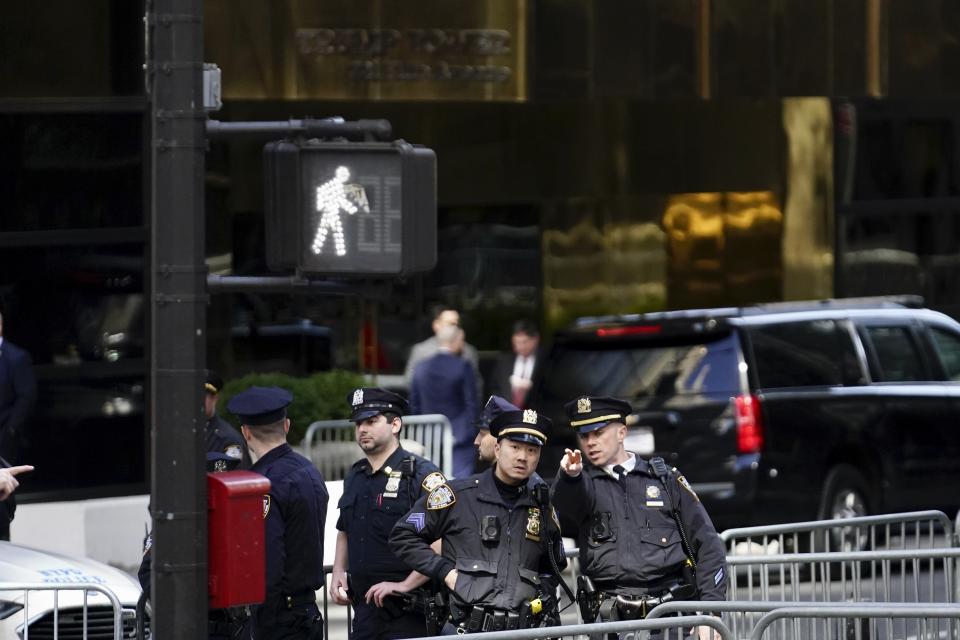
(533, 524)
(393, 485)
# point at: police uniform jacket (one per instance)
(501, 574)
(221, 437)
(372, 502)
(295, 512)
(629, 542)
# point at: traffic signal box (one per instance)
(350, 208)
(236, 552)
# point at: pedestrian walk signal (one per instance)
(342, 208)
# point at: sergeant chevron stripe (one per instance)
(417, 520)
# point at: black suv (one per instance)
(781, 412)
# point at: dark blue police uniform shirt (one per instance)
(295, 513)
(368, 512)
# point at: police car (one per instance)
(23, 565)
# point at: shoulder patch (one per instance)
(686, 485)
(432, 481)
(266, 505)
(147, 544)
(441, 498)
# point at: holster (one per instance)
(435, 613)
(588, 599)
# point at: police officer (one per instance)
(644, 536)
(484, 442)
(493, 578)
(295, 511)
(222, 624)
(219, 435)
(379, 489)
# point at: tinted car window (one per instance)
(948, 346)
(803, 354)
(635, 370)
(896, 354)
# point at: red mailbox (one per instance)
(235, 554)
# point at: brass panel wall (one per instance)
(375, 50)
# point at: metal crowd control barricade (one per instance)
(672, 629)
(829, 620)
(331, 444)
(68, 620)
(912, 530)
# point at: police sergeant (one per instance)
(644, 536)
(494, 534)
(294, 511)
(379, 489)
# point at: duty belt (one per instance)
(297, 599)
(619, 607)
(491, 619)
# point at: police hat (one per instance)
(260, 405)
(217, 462)
(494, 407)
(213, 383)
(589, 413)
(367, 402)
(523, 426)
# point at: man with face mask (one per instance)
(644, 536)
(379, 489)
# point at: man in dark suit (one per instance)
(445, 384)
(18, 394)
(516, 372)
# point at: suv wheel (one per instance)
(845, 495)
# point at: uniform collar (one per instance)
(393, 462)
(640, 466)
(272, 455)
(488, 491)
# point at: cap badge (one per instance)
(358, 397)
(529, 416)
(583, 405)
(219, 466)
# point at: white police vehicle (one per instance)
(21, 565)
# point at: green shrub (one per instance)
(322, 396)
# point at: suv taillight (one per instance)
(749, 426)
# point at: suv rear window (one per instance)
(636, 369)
(948, 346)
(803, 354)
(896, 354)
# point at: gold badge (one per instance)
(530, 416)
(653, 492)
(393, 483)
(266, 505)
(432, 481)
(533, 524)
(441, 498)
(583, 405)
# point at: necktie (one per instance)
(621, 475)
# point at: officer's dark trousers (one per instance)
(373, 623)
(269, 622)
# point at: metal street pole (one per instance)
(177, 318)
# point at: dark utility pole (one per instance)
(177, 318)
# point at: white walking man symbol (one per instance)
(331, 198)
